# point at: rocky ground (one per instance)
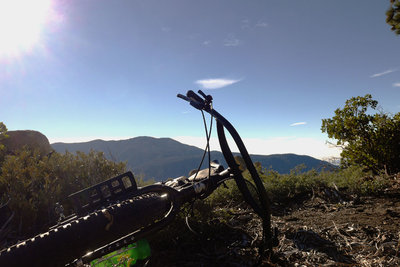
(326, 228)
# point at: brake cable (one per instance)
(207, 148)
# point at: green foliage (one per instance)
(352, 179)
(224, 194)
(393, 16)
(297, 182)
(281, 186)
(3, 135)
(369, 140)
(34, 183)
(3, 131)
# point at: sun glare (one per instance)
(21, 25)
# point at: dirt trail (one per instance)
(327, 229)
(360, 232)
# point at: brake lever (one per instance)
(207, 98)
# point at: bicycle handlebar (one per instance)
(195, 102)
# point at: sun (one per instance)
(21, 25)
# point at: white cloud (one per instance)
(245, 24)
(207, 43)
(215, 83)
(231, 40)
(298, 123)
(262, 24)
(317, 148)
(396, 85)
(382, 73)
(166, 29)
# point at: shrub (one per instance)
(34, 183)
(369, 140)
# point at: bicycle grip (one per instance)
(192, 95)
(184, 97)
(194, 100)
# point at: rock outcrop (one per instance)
(17, 140)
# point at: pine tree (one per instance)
(393, 16)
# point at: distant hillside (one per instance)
(162, 158)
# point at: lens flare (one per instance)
(21, 25)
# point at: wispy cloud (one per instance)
(231, 40)
(245, 24)
(382, 73)
(262, 24)
(215, 83)
(207, 43)
(298, 123)
(396, 85)
(166, 29)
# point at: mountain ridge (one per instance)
(162, 158)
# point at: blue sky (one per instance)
(112, 69)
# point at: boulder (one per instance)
(17, 140)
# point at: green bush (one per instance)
(3, 135)
(393, 16)
(367, 139)
(351, 180)
(355, 180)
(34, 183)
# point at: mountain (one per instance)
(162, 158)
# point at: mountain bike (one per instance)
(116, 213)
